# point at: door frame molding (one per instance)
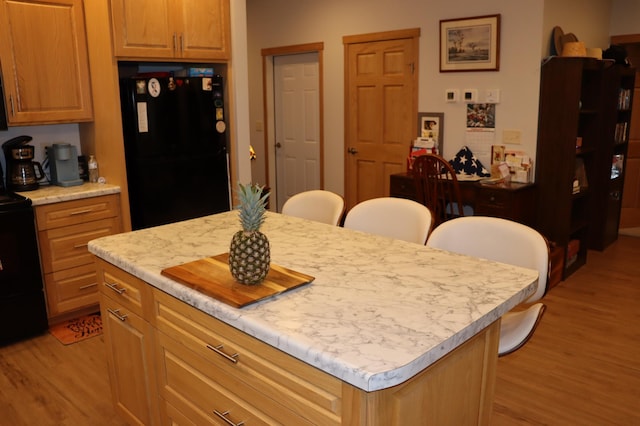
(268, 97)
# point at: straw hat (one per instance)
(567, 44)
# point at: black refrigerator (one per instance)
(175, 139)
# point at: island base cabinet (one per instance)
(457, 390)
(189, 368)
(129, 342)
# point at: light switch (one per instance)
(492, 96)
(259, 126)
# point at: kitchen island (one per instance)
(387, 332)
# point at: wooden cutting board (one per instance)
(212, 277)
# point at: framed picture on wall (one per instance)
(431, 126)
(470, 44)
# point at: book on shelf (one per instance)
(620, 135)
(624, 99)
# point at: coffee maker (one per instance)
(63, 164)
(23, 173)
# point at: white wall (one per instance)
(275, 23)
(43, 136)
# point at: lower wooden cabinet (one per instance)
(172, 364)
(129, 341)
(64, 230)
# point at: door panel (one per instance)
(381, 111)
(297, 124)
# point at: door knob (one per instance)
(278, 145)
(352, 151)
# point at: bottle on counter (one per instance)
(92, 165)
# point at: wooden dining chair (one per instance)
(437, 187)
(507, 242)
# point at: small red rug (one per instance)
(77, 329)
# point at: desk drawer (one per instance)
(402, 187)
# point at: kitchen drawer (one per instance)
(73, 212)
(205, 394)
(71, 289)
(62, 248)
(128, 291)
(309, 392)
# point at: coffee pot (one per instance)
(23, 173)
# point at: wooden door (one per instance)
(380, 111)
(45, 64)
(297, 124)
(630, 213)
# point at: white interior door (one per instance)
(297, 124)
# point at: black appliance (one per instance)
(22, 174)
(175, 139)
(22, 303)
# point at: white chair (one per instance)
(319, 205)
(391, 217)
(507, 242)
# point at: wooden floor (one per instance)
(582, 367)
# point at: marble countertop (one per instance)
(378, 312)
(55, 194)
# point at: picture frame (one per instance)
(470, 44)
(431, 125)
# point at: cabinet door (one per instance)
(143, 28)
(128, 339)
(203, 31)
(44, 61)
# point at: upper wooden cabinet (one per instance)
(43, 50)
(171, 29)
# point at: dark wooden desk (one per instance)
(515, 201)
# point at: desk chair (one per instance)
(437, 187)
(319, 205)
(508, 242)
(391, 217)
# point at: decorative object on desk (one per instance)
(497, 154)
(470, 44)
(249, 255)
(466, 163)
(211, 276)
(77, 329)
(431, 126)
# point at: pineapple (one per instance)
(249, 255)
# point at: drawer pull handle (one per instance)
(81, 245)
(84, 287)
(114, 287)
(223, 416)
(116, 313)
(77, 212)
(218, 349)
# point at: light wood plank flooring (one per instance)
(582, 367)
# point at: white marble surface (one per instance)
(56, 194)
(378, 312)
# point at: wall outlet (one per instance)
(512, 137)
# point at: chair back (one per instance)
(391, 217)
(319, 205)
(437, 187)
(496, 239)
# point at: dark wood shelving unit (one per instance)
(579, 132)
